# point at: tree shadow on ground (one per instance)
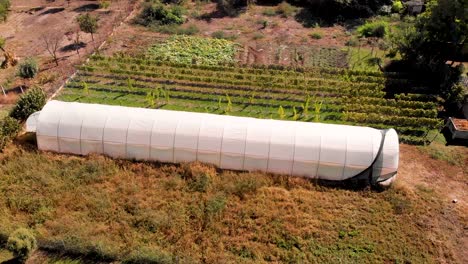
(73, 47)
(86, 8)
(52, 11)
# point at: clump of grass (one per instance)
(316, 35)
(223, 35)
(285, 9)
(269, 12)
(378, 29)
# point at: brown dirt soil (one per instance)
(260, 44)
(28, 21)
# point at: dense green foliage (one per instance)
(157, 14)
(397, 6)
(4, 5)
(28, 68)
(307, 94)
(376, 29)
(342, 9)
(88, 24)
(30, 102)
(439, 35)
(194, 50)
(9, 128)
(21, 243)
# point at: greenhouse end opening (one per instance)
(305, 149)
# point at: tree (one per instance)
(439, 35)
(30, 102)
(88, 24)
(52, 43)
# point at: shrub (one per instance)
(88, 24)
(21, 243)
(28, 103)
(285, 9)
(376, 29)
(269, 12)
(397, 6)
(4, 5)
(316, 35)
(158, 14)
(9, 127)
(28, 68)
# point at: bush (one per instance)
(28, 103)
(4, 5)
(9, 127)
(397, 6)
(376, 29)
(28, 68)
(285, 9)
(269, 12)
(21, 243)
(316, 35)
(158, 14)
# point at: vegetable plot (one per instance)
(329, 95)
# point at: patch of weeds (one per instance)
(223, 35)
(285, 9)
(269, 12)
(316, 35)
(243, 252)
(199, 183)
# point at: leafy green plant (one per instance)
(9, 128)
(85, 87)
(4, 5)
(194, 50)
(397, 6)
(285, 9)
(21, 243)
(281, 113)
(30, 102)
(316, 35)
(88, 24)
(157, 14)
(28, 68)
(378, 29)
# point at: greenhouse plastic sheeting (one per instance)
(314, 150)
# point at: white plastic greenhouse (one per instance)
(314, 150)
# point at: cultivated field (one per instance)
(330, 95)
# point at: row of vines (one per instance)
(327, 95)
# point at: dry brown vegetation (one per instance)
(107, 209)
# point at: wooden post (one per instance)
(3, 90)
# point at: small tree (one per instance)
(28, 103)
(88, 24)
(281, 113)
(21, 243)
(52, 43)
(28, 69)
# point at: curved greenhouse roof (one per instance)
(314, 150)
